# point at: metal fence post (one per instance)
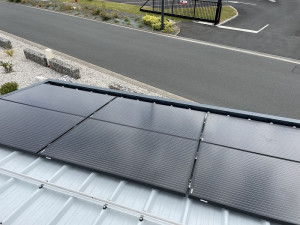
(195, 9)
(218, 12)
(162, 14)
(172, 6)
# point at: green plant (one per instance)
(115, 15)
(168, 30)
(137, 19)
(8, 87)
(140, 25)
(155, 23)
(9, 52)
(105, 15)
(126, 19)
(64, 7)
(117, 20)
(11, 0)
(17, 1)
(95, 12)
(8, 66)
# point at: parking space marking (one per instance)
(243, 30)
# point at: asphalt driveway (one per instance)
(281, 37)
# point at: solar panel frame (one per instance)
(256, 184)
(142, 156)
(257, 137)
(61, 99)
(154, 117)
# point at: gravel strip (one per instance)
(26, 71)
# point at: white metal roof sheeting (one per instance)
(35, 190)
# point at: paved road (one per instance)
(202, 73)
(281, 37)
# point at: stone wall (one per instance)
(64, 68)
(5, 43)
(35, 56)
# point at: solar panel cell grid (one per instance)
(156, 159)
(30, 128)
(250, 182)
(263, 138)
(155, 117)
(61, 99)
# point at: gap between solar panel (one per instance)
(196, 156)
(43, 149)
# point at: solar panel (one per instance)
(62, 99)
(250, 182)
(263, 138)
(30, 128)
(155, 117)
(160, 160)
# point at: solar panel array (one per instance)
(247, 165)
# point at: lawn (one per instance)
(227, 11)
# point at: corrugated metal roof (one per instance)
(34, 190)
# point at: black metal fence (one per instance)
(208, 11)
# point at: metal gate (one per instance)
(208, 11)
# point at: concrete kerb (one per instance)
(102, 70)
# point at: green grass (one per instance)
(227, 11)
(119, 7)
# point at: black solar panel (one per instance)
(155, 117)
(159, 160)
(250, 182)
(81, 103)
(259, 137)
(30, 128)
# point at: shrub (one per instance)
(155, 23)
(9, 52)
(168, 30)
(11, 0)
(149, 20)
(66, 7)
(126, 19)
(8, 87)
(8, 66)
(140, 25)
(117, 20)
(95, 12)
(105, 15)
(17, 1)
(115, 15)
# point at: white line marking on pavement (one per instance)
(210, 44)
(245, 3)
(205, 23)
(241, 29)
